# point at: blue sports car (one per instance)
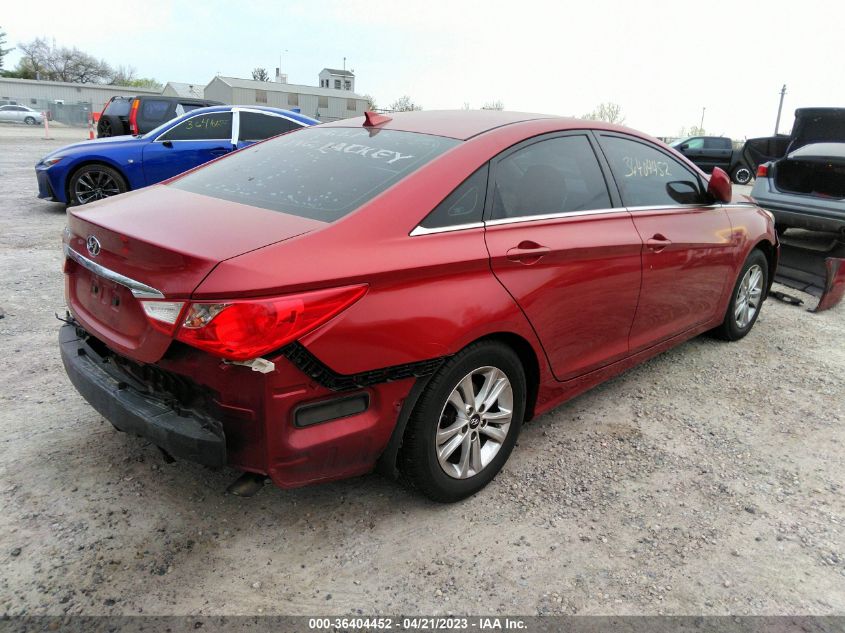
(92, 170)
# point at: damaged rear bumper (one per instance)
(183, 434)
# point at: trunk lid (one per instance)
(817, 125)
(159, 239)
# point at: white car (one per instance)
(20, 114)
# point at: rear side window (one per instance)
(155, 111)
(647, 177)
(318, 173)
(464, 205)
(552, 176)
(257, 127)
(716, 142)
(118, 107)
(211, 126)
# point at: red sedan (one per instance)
(401, 291)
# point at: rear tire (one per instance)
(742, 175)
(95, 182)
(746, 298)
(104, 128)
(466, 423)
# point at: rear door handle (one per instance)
(657, 242)
(527, 252)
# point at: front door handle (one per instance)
(527, 252)
(658, 242)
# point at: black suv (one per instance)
(715, 151)
(139, 115)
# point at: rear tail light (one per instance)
(762, 171)
(163, 315)
(245, 329)
(133, 116)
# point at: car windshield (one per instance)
(318, 173)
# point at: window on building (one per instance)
(337, 84)
(347, 85)
(553, 176)
(260, 96)
(351, 104)
(322, 102)
(33, 101)
(293, 99)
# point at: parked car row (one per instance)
(93, 170)
(716, 151)
(399, 291)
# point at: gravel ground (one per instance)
(707, 481)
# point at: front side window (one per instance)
(211, 126)
(465, 205)
(648, 177)
(257, 127)
(695, 143)
(553, 176)
(318, 173)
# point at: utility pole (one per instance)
(780, 107)
(344, 63)
(701, 125)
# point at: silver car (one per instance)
(20, 114)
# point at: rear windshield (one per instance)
(118, 107)
(317, 173)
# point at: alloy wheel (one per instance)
(95, 185)
(748, 296)
(743, 175)
(474, 422)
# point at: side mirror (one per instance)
(684, 192)
(719, 186)
(684, 147)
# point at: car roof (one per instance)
(466, 124)
(457, 124)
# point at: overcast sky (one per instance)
(661, 61)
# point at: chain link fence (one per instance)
(75, 114)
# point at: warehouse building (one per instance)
(186, 91)
(66, 102)
(325, 104)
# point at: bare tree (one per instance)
(371, 102)
(610, 112)
(493, 105)
(3, 51)
(122, 76)
(260, 74)
(692, 130)
(42, 60)
(404, 104)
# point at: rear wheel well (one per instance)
(89, 163)
(768, 250)
(529, 361)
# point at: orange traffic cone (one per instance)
(90, 127)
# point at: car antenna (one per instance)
(371, 119)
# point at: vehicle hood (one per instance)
(98, 146)
(817, 125)
(171, 239)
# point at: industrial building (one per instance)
(66, 102)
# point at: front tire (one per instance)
(746, 299)
(95, 182)
(466, 423)
(742, 175)
(29, 120)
